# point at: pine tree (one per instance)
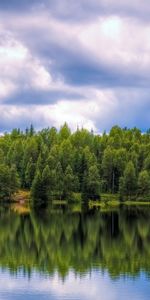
(29, 173)
(144, 183)
(68, 182)
(130, 180)
(121, 188)
(5, 190)
(59, 180)
(14, 180)
(31, 131)
(47, 185)
(36, 189)
(93, 183)
(108, 168)
(9, 181)
(64, 132)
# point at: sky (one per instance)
(86, 62)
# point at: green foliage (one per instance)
(93, 183)
(43, 184)
(36, 190)
(107, 167)
(122, 190)
(128, 183)
(64, 132)
(47, 182)
(9, 181)
(144, 183)
(4, 181)
(69, 184)
(29, 173)
(59, 180)
(63, 162)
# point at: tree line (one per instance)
(65, 165)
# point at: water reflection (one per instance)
(61, 254)
(117, 241)
(92, 286)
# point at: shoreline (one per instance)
(22, 197)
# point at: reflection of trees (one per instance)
(118, 242)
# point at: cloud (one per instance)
(18, 66)
(100, 53)
(80, 9)
(99, 111)
(24, 79)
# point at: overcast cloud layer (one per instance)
(86, 62)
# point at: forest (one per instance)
(60, 164)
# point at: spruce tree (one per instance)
(59, 180)
(93, 183)
(143, 183)
(36, 189)
(68, 182)
(130, 180)
(14, 180)
(47, 185)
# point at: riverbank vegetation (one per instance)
(80, 165)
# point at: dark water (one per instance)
(88, 255)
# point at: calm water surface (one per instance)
(75, 255)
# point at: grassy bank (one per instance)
(106, 200)
(112, 200)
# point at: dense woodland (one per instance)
(64, 165)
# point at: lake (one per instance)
(61, 253)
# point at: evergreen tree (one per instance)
(14, 180)
(37, 187)
(93, 183)
(66, 153)
(52, 137)
(147, 163)
(59, 163)
(1, 157)
(64, 132)
(9, 181)
(29, 173)
(122, 190)
(59, 180)
(68, 182)
(130, 180)
(108, 168)
(144, 183)
(4, 182)
(47, 185)
(31, 131)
